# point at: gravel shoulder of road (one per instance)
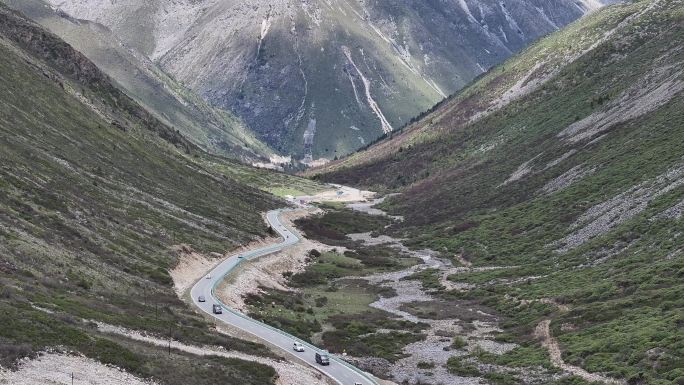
(192, 266)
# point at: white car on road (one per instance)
(298, 347)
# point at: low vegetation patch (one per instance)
(460, 367)
(429, 279)
(342, 313)
(325, 267)
(529, 355)
(333, 226)
(358, 335)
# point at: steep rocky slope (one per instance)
(322, 78)
(95, 192)
(564, 167)
(211, 128)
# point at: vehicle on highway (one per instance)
(217, 309)
(322, 358)
(298, 347)
(201, 299)
(358, 383)
(208, 276)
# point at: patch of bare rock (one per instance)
(57, 368)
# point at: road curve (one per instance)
(338, 370)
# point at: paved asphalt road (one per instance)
(338, 370)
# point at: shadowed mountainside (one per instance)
(211, 128)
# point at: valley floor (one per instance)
(452, 334)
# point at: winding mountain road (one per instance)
(338, 370)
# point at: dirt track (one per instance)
(543, 331)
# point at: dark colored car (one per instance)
(201, 299)
(322, 358)
(217, 309)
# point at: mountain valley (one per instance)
(96, 195)
(495, 194)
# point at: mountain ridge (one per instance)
(320, 79)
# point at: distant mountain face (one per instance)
(322, 78)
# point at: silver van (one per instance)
(322, 358)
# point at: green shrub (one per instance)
(425, 365)
(459, 367)
(458, 343)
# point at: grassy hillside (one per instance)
(497, 88)
(94, 192)
(176, 106)
(565, 164)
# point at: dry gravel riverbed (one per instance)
(435, 349)
(474, 325)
